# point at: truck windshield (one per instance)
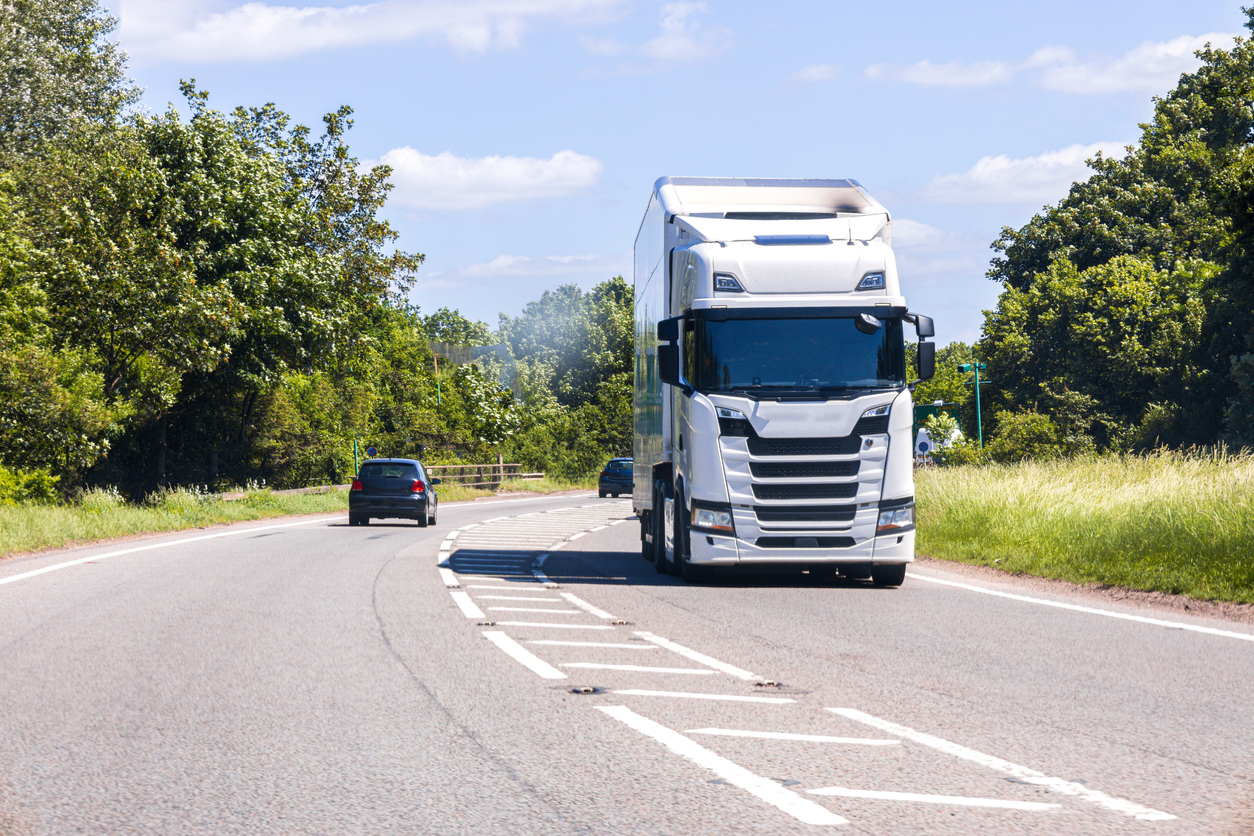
(793, 354)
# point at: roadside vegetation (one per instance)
(1174, 522)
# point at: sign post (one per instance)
(979, 424)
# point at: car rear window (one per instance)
(618, 466)
(393, 471)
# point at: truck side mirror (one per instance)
(668, 363)
(924, 326)
(668, 329)
(927, 359)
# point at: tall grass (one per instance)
(101, 514)
(1171, 522)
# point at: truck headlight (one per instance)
(732, 422)
(707, 516)
(895, 519)
(877, 411)
(872, 281)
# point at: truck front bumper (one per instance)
(715, 550)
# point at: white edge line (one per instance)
(1023, 773)
(1158, 622)
(958, 800)
(577, 536)
(688, 653)
(765, 789)
(804, 738)
(685, 695)
(521, 654)
(453, 535)
(593, 644)
(585, 606)
(533, 609)
(468, 607)
(54, 567)
(450, 579)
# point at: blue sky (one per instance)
(526, 134)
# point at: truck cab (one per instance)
(772, 401)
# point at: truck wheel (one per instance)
(660, 562)
(856, 571)
(680, 553)
(892, 575)
(647, 549)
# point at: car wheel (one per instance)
(434, 509)
(422, 519)
(893, 575)
(353, 519)
(601, 494)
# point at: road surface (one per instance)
(518, 668)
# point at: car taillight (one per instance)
(356, 485)
(417, 486)
(605, 473)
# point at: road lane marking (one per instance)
(805, 738)
(517, 598)
(1023, 773)
(1157, 622)
(684, 695)
(521, 654)
(616, 522)
(554, 626)
(577, 536)
(467, 606)
(594, 644)
(586, 607)
(450, 580)
(765, 789)
(533, 609)
(688, 653)
(504, 588)
(598, 528)
(453, 535)
(963, 801)
(637, 668)
(95, 557)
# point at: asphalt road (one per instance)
(519, 669)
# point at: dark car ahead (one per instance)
(615, 478)
(397, 488)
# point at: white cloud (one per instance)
(175, 29)
(954, 74)
(562, 267)
(1152, 67)
(446, 181)
(816, 72)
(682, 38)
(1002, 179)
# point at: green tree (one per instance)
(57, 66)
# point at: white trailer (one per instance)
(772, 402)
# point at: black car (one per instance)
(615, 478)
(397, 488)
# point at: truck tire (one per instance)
(646, 527)
(661, 493)
(890, 575)
(856, 571)
(678, 536)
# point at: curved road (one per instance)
(519, 669)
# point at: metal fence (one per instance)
(480, 475)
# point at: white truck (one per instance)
(772, 403)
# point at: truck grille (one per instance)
(806, 542)
(844, 446)
(843, 491)
(814, 513)
(802, 470)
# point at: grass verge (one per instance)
(103, 516)
(1181, 523)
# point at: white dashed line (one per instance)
(518, 598)
(450, 580)
(804, 738)
(594, 644)
(688, 653)
(1157, 622)
(767, 790)
(453, 535)
(533, 609)
(1023, 773)
(935, 799)
(691, 696)
(467, 606)
(521, 654)
(577, 536)
(636, 668)
(554, 626)
(586, 607)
